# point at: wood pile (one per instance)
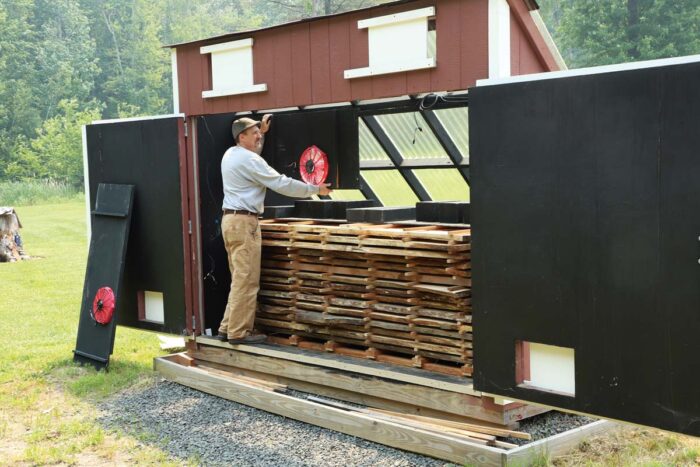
(392, 293)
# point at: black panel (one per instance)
(586, 216)
(447, 212)
(381, 215)
(276, 212)
(110, 230)
(334, 131)
(145, 153)
(327, 209)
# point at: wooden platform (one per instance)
(363, 381)
(392, 293)
(452, 441)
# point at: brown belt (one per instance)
(240, 211)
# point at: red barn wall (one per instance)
(303, 64)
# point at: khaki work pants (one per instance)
(243, 244)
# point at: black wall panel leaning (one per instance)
(586, 220)
(145, 153)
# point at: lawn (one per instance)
(49, 405)
(48, 402)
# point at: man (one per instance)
(246, 177)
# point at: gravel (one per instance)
(186, 423)
(548, 424)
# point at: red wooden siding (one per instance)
(523, 59)
(303, 64)
(531, 34)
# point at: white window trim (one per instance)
(396, 18)
(227, 46)
(499, 38)
(393, 68)
(235, 91)
(176, 89)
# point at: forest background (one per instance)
(64, 63)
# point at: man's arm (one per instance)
(264, 128)
(262, 173)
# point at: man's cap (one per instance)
(242, 124)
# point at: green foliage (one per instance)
(590, 32)
(46, 55)
(133, 68)
(186, 20)
(56, 152)
(30, 192)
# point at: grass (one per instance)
(36, 191)
(48, 404)
(634, 446)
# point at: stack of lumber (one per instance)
(393, 293)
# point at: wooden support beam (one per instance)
(338, 362)
(436, 399)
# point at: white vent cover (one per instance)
(231, 69)
(397, 43)
(153, 307)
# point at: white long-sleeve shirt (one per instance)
(246, 177)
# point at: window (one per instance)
(231, 68)
(398, 42)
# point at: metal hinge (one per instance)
(185, 129)
(189, 227)
(194, 322)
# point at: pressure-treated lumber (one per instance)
(460, 425)
(473, 436)
(366, 367)
(442, 400)
(381, 431)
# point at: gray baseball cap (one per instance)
(242, 124)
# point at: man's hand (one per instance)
(265, 123)
(323, 189)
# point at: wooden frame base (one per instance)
(375, 384)
(182, 369)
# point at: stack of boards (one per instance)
(393, 293)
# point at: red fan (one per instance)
(313, 165)
(103, 306)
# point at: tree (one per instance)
(185, 20)
(281, 11)
(134, 70)
(56, 152)
(591, 32)
(45, 55)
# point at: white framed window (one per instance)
(231, 69)
(400, 42)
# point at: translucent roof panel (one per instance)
(347, 195)
(456, 122)
(370, 150)
(390, 187)
(412, 136)
(443, 184)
